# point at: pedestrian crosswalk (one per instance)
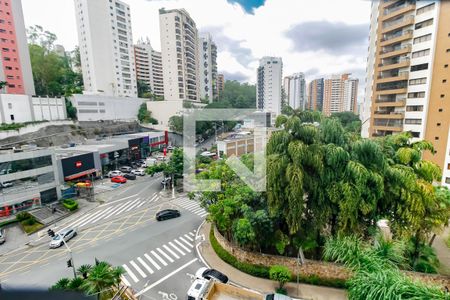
(113, 210)
(156, 259)
(191, 205)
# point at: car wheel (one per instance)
(75, 234)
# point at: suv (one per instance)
(125, 169)
(115, 173)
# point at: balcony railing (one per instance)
(396, 22)
(402, 74)
(388, 37)
(403, 47)
(390, 10)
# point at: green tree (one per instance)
(71, 110)
(243, 232)
(101, 279)
(84, 270)
(3, 84)
(145, 116)
(144, 90)
(238, 95)
(61, 285)
(176, 124)
(280, 274)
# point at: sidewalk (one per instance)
(261, 285)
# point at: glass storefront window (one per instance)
(20, 165)
(26, 183)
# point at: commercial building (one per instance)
(207, 67)
(179, 49)
(106, 47)
(15, 65)
(295, 90)
(100, 107)
(149, 67)
(268, 84)
(220, 84)
(340, 93)
(408, 74)
(315, 94)
(27, 179)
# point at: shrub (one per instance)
(280, 274)
(22, 216)
(30, 221)
(5, 223)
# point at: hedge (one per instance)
(4, 223)
(70, 204)
(263, 271)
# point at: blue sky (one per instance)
(248, 5)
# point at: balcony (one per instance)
(388, 115)
(397, 24)
(397, 128)
(398, 10)
(390, 102)
(390, 78)
(392, 91)
(396, 51)
(390, 66)
(396, 38)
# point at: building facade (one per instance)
(15, 65)
(340, 93)
(407, 80)
(207, 67)
(149, 67)
(295, 89)
(180, 55)
(220, 84)
(315, 94)
(106, 47)
(268, 85)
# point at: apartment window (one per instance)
(12, 117)
(425, 9)
(442, 95)
(436, 138)
(421, 53)
(447, 180)
(418, 81)
(414, 108)
(444, 80)
(415, 134)
(419, 67)
(10, 105)
(422, 38)
(440, 109)
(413, 121)
(423, 24)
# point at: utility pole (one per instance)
(70, 263)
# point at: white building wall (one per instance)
(296, 93)
(268, 86)
(163, 110)
(50, 109)
(15, 109)
(106, 47)
(207, 61)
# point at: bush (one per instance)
(29, 222)
(280, 274)
(5, 223)
(22, 216)
(70, 204)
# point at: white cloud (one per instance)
(263, 32)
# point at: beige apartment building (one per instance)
(149, 67)
(340, 93)
(408, 74)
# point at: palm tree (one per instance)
(101, 278)
(75, 284)
(61, 284)
(84, 270)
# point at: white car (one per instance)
(138, 172)
(114, 173)
(170, 148)
(67, 234)
(2, 236)
(161, 157)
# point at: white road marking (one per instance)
(152, 261)
(142, 203)
(188, 237)
(191, 234)
(176, 248)
(182, 246)
(102, 214)
(158, 257)
(138, 269)
(145, 265)
(133, 206)
(198, 210)
(89, 220)
(171, 252)
(203, 214)
(153, 198)
(116, 209)
(124, 280)
(165, 255)
(126, 206)
(165, 277)
(118, 200)
(73, 224)
(134, 277)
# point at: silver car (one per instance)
(2, 236)
(66, 234)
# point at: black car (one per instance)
(129, 176)
(167, 214)
(211, 274)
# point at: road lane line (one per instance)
(142, 203)
(89, 219)
(145, 265)
(118, 200)
(116, 209)
(152, 261)
(165, 255)
(138, 269)
(188, 237)
(124, 280)
(158, 257)
(126, 206)
(102, 214)
(134, 277)
(78, 220)
(190, 206)
(153, 198)
(182, 246)
(165, 277)
(133, 206)
(176, 248)
(203, 214)
(191, 234)
(198, 210)
(171, 252)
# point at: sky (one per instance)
(317, 37)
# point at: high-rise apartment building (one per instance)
(408, 74)
(220, 85)
(340, 93)
(15, 66)
(295, 90)
(207, 67)
(149, 67)
(106, 47)
(315, 94)
(268, 84)
(180, 55)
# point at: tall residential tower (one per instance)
(295, 89)
(315, 94)
(340, 93)
(106, 47)
(408, 74)
(268, 84)
(207, 67)
(149, 67)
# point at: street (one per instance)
(159, 257)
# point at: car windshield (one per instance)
(57, 237)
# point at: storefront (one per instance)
(79, 167)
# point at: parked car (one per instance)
(170, 148)
(125, 169)
(161, 157)
(6, 184)
(135, 165)
(66, 234)
(119, 179)
(167, 214)
(276, 297)
(114, 173)
(2, 236)
(166, 181)
(130, 176)
(211, 274)
(138, 172)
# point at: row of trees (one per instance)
(325, 181)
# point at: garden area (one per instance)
(326, 186)
(28, 223)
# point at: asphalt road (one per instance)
(159, 257)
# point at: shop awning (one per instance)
(81, 174)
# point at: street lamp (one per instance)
(70, 263)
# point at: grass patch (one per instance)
(17, 126)
(29, 229)
(263, 271)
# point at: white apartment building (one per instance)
(350, 95)
(408, 75)
(149, 67)
(268, 85)
(295, 89)
(207, 67)
(106, 47)
(179, 49)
